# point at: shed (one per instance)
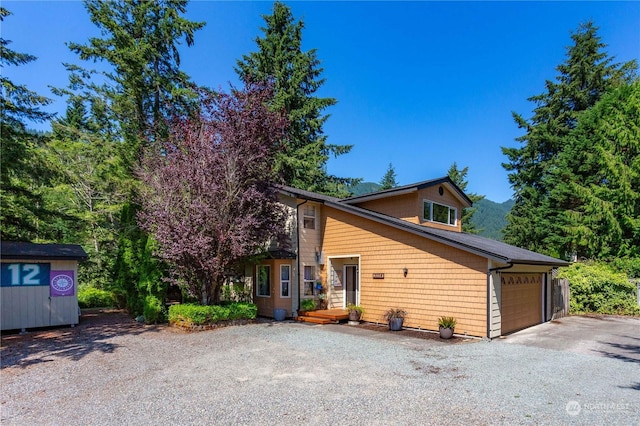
(39, 284)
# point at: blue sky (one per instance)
(418, 84)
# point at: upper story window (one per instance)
(434, 212)
(309, 217)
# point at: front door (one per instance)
(352, 288)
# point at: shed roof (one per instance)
(21, 250)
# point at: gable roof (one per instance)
(21, 250)
(407, 189)
(306, 195)
(476, 244)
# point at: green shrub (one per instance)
(308, 305)
(189, 314)
(153, 310)
(600, 288)
(91, 297)
(628, 265)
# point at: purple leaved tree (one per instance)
(208, 197)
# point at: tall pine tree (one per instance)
(595, 188)
(144, 87)
(24, 172)
(302, 162)
(459, 177)
(389, 179)
(583, 78)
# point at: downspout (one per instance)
(500, 268)
(298, 248)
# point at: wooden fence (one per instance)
(560, 297)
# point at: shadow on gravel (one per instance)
(635, 386)
(623, 351)
(91, 335)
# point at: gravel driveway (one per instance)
(119, 372)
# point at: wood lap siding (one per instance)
(402, 206)
(441, 280)
(410, 207)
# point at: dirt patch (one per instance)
(408, 332)
(91, 334)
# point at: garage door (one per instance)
(521, 301)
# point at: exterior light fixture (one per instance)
(405, 271)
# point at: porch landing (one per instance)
(324, 316)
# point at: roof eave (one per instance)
(425, 234)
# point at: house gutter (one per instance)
(501, 268)
(298, 248)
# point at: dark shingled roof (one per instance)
(414, 186)
(482, 246)
(281, 254)
(307, 195)
(20, 250)
(476, 244)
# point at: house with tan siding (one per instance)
(404, 247)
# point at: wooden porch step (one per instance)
(314, 320)
(330, 314)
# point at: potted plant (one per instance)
(395, 318)
(447, 324)
(355, 312)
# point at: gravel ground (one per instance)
(114, 371)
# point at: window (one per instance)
(263, 277)
(285, 280)
(309, 217)
(435, 212)
(309, 280)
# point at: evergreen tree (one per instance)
(595, 188)
(23, 215)
(459, 177)
(144, 88)
(296, 77)
(140, 41)
(583, 78)
(389, 179)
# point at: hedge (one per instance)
(597, 287)
(190, 314)
(91, 297)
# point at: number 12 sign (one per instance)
(25, 274)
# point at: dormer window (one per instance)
(434, 212)
(309, 217)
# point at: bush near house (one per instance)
(598, 287)
(189, 315)
(154, 311)
(91, 297)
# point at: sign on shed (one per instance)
(39, 284)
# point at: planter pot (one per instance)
(446, 333)
(395, 324)
(354, 316)
(279, 314)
